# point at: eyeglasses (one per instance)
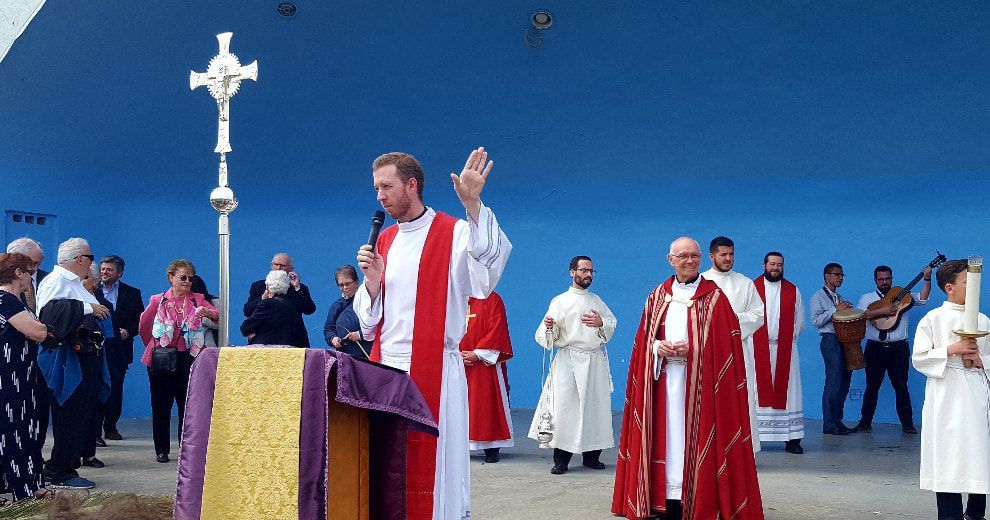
(585, 271)
(836, 274)
(184, 277)
(346, 284)
(687, 256)
(91, 257)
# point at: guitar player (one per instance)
(888, 351)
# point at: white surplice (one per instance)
(478, 256)
(675, 328)
(580, 377)
(748, 306)
(955, 420)
(786, 424)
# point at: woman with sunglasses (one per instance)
(173, 333)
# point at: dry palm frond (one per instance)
(92, 506)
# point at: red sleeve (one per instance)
(497, 335)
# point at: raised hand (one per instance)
(372, 265)
(472, 180)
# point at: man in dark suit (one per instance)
(297, 296)
(127, 306)
(32, 249)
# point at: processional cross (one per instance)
(223, 79)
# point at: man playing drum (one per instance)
(823, 304)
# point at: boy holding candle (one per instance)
(955, 423)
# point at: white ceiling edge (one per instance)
(15, 15)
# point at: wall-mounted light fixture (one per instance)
(286, 8)
(541, 19)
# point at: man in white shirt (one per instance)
(748, 308)
(887, 351)
(72, 413)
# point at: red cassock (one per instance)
(719, 469)
(487, 329)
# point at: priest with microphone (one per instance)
(418, 277)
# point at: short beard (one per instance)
(719, 268)
(772, 278)
(582, 284)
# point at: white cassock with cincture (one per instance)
(748, 306)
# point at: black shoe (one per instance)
(100, 443)
(836, 431)
(909, 429)
(93, 462)
(843, 428)
(162, 457)
(594, 464)
(863, 427)
(794, 447)
(491, 455)
(113, 436)
(558, 470)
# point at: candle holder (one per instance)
(970, 335)
(971, 312)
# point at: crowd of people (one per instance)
(714, 369)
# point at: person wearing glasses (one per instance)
(77, 377)
(822, 306)
(342, 329)
(297, 295)
(580, 324)
(172, 320)
(887, 351)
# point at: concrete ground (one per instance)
(860, 476)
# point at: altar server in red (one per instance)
(485, 349)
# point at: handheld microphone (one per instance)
(376, 228)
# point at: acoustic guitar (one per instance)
(900, 297)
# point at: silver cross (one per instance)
(223, 79)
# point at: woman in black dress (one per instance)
(20, 330)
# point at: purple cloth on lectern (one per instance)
(394, 403)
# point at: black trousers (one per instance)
(166, 390)
(950, 506)
(563, 458)
(115, 403)
(892, 360)
(674, 511)
(71, 421)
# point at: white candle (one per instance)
(973, 273)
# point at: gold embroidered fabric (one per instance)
(252, 460)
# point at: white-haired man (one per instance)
(78, 378)
(32, 249)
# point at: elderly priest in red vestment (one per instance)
(485, 349)
(685, 450)
(413, 304)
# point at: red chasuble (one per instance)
(719, 470)
(426, 368)
(772, 389)
(487, 329)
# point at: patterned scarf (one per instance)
(178, 314)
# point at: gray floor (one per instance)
(861, 476)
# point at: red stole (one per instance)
(426, 368)
(487, 329)
(719, 469)
(774, 393)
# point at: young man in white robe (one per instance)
(955, 419)
(748, 308)
(577, 390)
(775, 350)
(413, 304)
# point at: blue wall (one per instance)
(841, 132)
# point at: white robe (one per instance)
(579, 400)
(955, 420)
(786, 424)
(478, 256)
(748, 307)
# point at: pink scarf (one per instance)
(178, 314)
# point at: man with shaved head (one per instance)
(682, 452)
(298, 296)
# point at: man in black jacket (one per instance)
(126, 309)
(297, 296)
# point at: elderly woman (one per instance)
(173, 333)
(20, 458)
(271, 323)
(342, 329)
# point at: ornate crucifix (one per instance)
(223, 78)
